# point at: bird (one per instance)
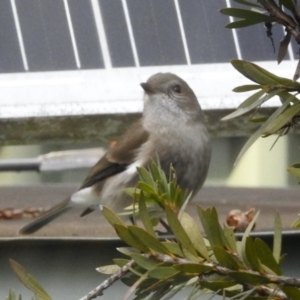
(171, 129)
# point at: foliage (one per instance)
(268, 85)
(29, 282)
(217, 263)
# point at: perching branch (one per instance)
(98, 291)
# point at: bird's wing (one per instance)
(118, 157)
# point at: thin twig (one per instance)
(98, 291)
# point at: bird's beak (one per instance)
(148, 88)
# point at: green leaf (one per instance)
(193, 268)
(262, 76)
(261, 130)
(225, 259)
(246, 235)
(252, 279)
(247, 14)
(29, 281)
(251, 254)
(163, 272)
(147, 239)
(289, 4)
(121, 262)
(111, 217)
(277, 238)
(146, 187)
(109, 269)
(216, 285)
(265, 255)
(246, 88)
(295, 172)
(230, 238)
(252, 102)
(125, 235)
(241, 23)
(144, 215)
(210, 223)
(173, 248)
(193, 231)
(292, 293)
(296, 223)
(179, 232)
(144, 262)
(282, 119)
(244, 2)
(145, 176)
(283, 45)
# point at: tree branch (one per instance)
(98, 291)
(281, 17)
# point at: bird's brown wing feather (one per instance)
(119, 156)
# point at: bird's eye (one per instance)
(177, 88)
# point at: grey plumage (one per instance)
(172, 128)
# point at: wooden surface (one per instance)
(285, 201)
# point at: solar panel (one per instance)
(63, 57)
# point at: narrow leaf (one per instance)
(145, 176)
(283, 45)
(291, 292)
(193, 268)
(144, 262)
(295, 172)
(163, 272)
(173, 248)
(241, 23)
(244, 2)
(108, 270)
(250, 254)
(194, 233)
(261, 130)
(225, 259)
(246, 88)
(121, 262)
(29, 281)
(297, 72)
(289, 4)
(210, 223)
(251, 279)
(252, 102)
(282, 119)
(126, 236)
(147, 239)
(262, 76)
(277, 238)
(144, 215)
(265, 255)
(242, 249)
(247, 14)
(179, 232)
(230, 238)
(110, 216)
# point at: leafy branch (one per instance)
(215, 262)
(269, 12)
(218, 263)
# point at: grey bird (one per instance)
(172, 129)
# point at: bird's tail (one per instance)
(47, 217)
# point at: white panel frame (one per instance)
(112, 91)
